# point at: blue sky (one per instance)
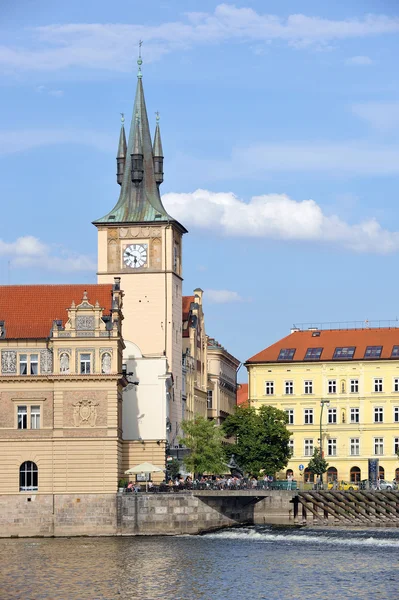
(280, 128)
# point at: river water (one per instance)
(252, 562)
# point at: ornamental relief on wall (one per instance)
(9, 361)
(85, 413)
(85, 409)
(46, 361)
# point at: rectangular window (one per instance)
(332, 415)
(23, 364)
(291, 447)
(395, 352)
(286, 354)
(34, 364)
(396, 414)
(209, 398)
(35, 417)
(354, 415)
(308, 416)
(378, 385)
(269, 388)
(395, 445)
(344, 353)
(396, 385)
(378, 446)
(85, 364)
(22, 412)
(313, 353)
(373, 352)
(332, 448)
(308, 387)
(289, 387)
(378, 414)
(290, 415)
(355, 446)
(332, 386)
(354, 386)
(308, 447)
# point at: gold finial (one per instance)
(157, 116)
(122, 118)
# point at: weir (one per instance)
(333, 507)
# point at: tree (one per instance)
(173, 468)
(317, 464)
(262, 439)
(204, 440)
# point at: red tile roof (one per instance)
(186, 303)
(29, 310)
(329, 340)
(242, 394)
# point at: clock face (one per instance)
(135, 255)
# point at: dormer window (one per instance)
(313, 353)
(286, 354)
(343, 353)
(373, 352)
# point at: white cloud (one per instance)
(29, 252)
(277, 216)
(42, 89)
(359, 61)
(25, 139)
(222, 296)
(380, 115)
(111, 46)
(342, 158)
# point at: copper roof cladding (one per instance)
(329, 340)
(28, 311)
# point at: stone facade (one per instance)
(222, 381)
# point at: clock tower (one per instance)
(140, 243)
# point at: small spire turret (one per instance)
(158, 153)
(121, 156)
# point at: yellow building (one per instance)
(338, 385)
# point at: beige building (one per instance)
(195, 376)
(61, 388)
(222, 381)
(140, 243)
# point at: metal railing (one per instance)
(221, 485)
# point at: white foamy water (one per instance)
(343, 538)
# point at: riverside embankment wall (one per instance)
(49, 515)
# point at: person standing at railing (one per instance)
(289, 481)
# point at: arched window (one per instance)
(289, 472)
(397, 475)
(308, 477)
(381, 472)
(355, 474)
(332, 474)
(28, 477)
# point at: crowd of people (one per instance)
(214, 482)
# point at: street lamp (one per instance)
(322, 403)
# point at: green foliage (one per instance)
(173, 468)
(122, 483)
(261, 439)
(204, 439)
(317, 464)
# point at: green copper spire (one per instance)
(139, 200)
(158, 153)
(121, 155)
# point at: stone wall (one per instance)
(30, 515)
(172, 514)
